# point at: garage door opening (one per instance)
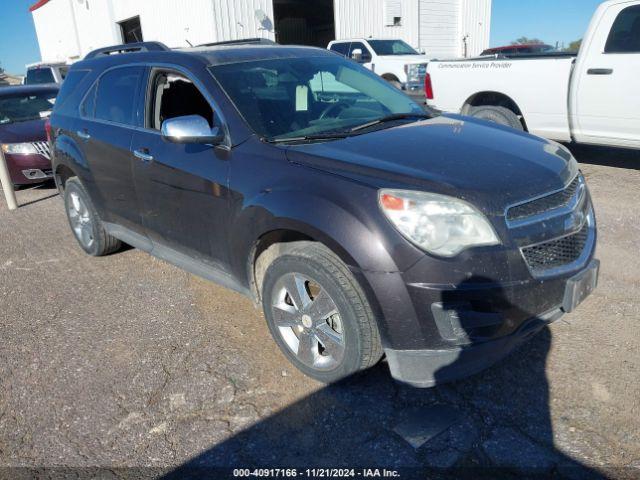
(131, 30)
(304, 22)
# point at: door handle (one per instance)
(600, 71)
(143, 154)
(83, 134)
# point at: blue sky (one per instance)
(550, 20)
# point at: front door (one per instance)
(182, 187)
(606, 104)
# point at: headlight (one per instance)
(19, 148)
(439, 224)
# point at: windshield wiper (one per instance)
(390, 118)
(317, 136)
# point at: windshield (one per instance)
(39, 75)
(392, 47)
(295, 97)
(23, 107)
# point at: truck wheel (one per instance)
(85, 223)
(500, 115)
(318, 314)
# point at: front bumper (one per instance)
(27, 169)
(480, 324)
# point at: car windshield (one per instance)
(392, 47)
(310, 96)
(26, 106)
(39, 75)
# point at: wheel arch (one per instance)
(390, 77)
(494, 99)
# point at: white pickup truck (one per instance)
(392, 59)
(591, 97)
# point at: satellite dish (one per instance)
(264, 20)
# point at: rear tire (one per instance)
(85, 222)
(500, 115)
(318, 313)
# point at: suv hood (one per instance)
(29, 131)
(486, 164)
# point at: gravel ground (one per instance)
(126, 361)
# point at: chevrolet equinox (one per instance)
(363, 225)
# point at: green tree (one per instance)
(574, 46)
(526, 41)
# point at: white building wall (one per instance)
(439, 28)
(69, 29)
(446, 25)
(55, 28)
(475, 25)
(366, 18)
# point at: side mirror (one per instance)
(191, 129)
(356, 55)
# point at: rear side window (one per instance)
(341, 48)
(39, 75)
(63, 104)
(116, 95)
(88, 107)
(625, 33)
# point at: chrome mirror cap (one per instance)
(191, 129)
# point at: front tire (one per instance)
(85, 222)
(318, 314)
(500, 115)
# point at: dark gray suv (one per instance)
(361, 224)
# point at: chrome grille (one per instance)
(43, 149)
(546, 203)
(557, 253)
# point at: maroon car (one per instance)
(23, 139)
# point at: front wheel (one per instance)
(318, 314)
(85, 222)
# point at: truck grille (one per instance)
(43, 149)
(545, 204)
(556, 253)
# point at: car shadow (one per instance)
(496, 424)
(606, 156)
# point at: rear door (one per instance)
(606, 105)
(109, 114)
(182, 187)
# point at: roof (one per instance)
(214, 55)
(38, 4)
(222, 54)
(26, 89)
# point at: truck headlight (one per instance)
(19, 148)
(439, 224)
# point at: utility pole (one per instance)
(7, 184)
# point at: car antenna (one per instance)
(190, 44)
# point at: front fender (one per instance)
(360, 236)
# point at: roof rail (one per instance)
(241, 41)
(129, 48)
